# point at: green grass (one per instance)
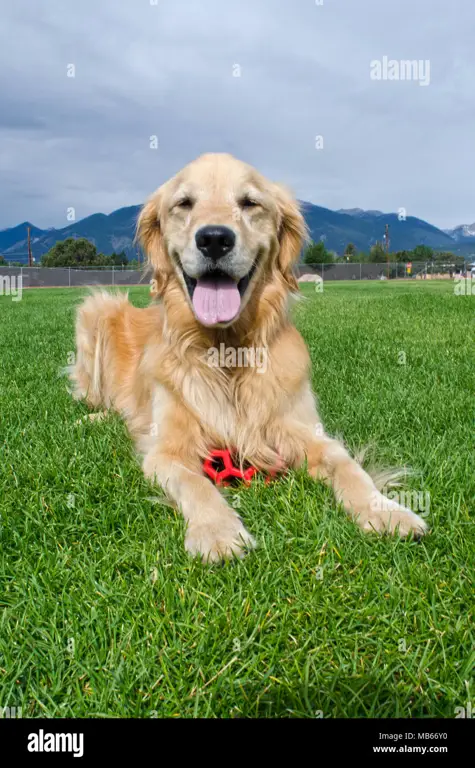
(103, 614)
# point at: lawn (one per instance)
(103, 614)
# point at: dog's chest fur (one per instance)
(226, 406)
(246, 408)
(220, 400)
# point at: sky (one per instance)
(102, 100)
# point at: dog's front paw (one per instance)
(218, 536)
(387, 516)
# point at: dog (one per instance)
(221, 241)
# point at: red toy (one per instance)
(220, 467)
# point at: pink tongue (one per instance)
(216, 302)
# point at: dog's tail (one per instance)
(92, 321)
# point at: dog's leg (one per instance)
(214, 530)
(172, 459)
(328, 460)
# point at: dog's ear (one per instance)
(292, 235)
(150, 237)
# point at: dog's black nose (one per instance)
(215, 241)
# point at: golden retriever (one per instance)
(222, 241)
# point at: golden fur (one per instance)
(151, 365)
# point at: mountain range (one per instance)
(464, 233)
(115, 232)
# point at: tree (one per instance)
(119, 259)
(422, 253)
(447, 257)
(377, 254)
(79, 252)
(316, 253)
(2, 260)
(350, 252)
(102, 260)
(70, 253)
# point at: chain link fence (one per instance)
(69, 277)
(382, 271)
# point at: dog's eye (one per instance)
(247, 202)
(186, 202)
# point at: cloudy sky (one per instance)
(259, 78)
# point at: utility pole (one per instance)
(386, 246)
(30, 255)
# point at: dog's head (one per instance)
(218, 227)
